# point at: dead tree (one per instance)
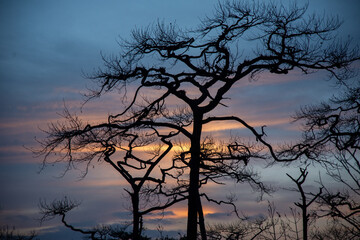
(219, 161)
(127, 169)
(333, 129)
(81, 143)
(243, 229)
(63, 206)
(305, 201)
(198, 68)
(9, 233)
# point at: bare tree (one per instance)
(63, 206)
(103, 142)
(9, 233)
(333, 128)
(333, 231)
(244, 229)
(197, 69)
(305, 201)
(292, 224)
(220, 161)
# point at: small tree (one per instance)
(136, 170)
(8, 233)
(60, 208)
(197, 69)
(244, 229)
(305, 202)
(333, 130)
(333, 231)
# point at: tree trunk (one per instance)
(305, 219)
(193, 201)
(136, 215)
(192, 204)
(201, 221)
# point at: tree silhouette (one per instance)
(196, 69)
(305, 201)
(8, 233)
(333, 231)
(333, 129)
(136, 170)
(63, 206)
(239, 230)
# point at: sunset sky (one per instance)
(45, 49)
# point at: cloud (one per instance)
(161, 221)
(17, 218)
(255, 217)
(163, 213)
(218, 215)
(124, 215)
(45, 46)
(59, 233)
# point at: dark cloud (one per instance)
(164, 213)
(123, 215)
(59, 233)
(218, 215)
(161, 221)
(255, 217)
(17, 218)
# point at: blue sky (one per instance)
(44, 48)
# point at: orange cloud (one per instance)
(228, 125)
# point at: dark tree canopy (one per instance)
(196, 69)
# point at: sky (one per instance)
(46, 46)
